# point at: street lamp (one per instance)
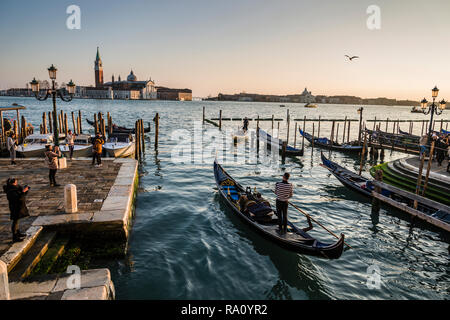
(54, 93)
(433, 109)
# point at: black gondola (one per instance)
(259, 215)
(364, 186)
(118, 129)
(325, 143)
(290, 151)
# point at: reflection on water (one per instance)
(185, 243)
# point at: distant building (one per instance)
(98, 67)
(132, 88)
(306, 97)
(164, 93)
(98, 93)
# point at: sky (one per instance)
(232, 46)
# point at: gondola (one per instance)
(348, 178)
(260, 216)
(325, 143)
(290, 151)
(365, 187)
(117, 129)
(408, 134)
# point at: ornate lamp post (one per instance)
(433, 109)
(54, 93)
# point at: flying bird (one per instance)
(351, 58)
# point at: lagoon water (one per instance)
(185, 243)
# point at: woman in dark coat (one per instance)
(17, 206)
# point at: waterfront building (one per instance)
(306, 97)
(164, 93)
(132, 88)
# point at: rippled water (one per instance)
(185, 244)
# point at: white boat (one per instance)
(240, 135)
(82, 147)
(120, 145)
(34, 145)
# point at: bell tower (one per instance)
(98, 71)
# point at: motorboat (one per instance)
(82, 147)
(34, 145)
(120, 145)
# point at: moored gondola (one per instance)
(290, 151)
(438, 215)
(258, 214)
(326, 143)
(117, 129)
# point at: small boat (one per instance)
(82, 147)
(240, 135)
(325, 143)
(433, 212)
(310, 105)
(290, 151)
(282, 106)
(416, 110)
(120, 145)
(34, 145)
(260, 216)
(117, 129)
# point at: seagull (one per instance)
(351, 58)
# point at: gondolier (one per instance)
(245, 127)
(284, 191)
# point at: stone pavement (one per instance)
(437, 172)
(95, 284)
(93, 185)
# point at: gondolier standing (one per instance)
(245, 127)
(284, 191)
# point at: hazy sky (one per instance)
(261, 46)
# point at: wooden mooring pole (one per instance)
(156, 120)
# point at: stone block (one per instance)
(22, 290)
(89, 279)
(70, 198)
(63, 219)
(96, 293)
(18, 249)
(4, 284)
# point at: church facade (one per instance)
(129, 89)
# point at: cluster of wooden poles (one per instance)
(46, 126)
(20, 129)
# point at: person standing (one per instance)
(284, 191)
(97, 149)
(70, 140)
(11, 144)
(245, 128)
(52, 154)
(423, 144)
(17, 206)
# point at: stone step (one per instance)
(398, 168)
(25, 266)
(49, 259)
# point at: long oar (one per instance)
(308, 216)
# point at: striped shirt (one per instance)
(283, 190)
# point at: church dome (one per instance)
(131, 77)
